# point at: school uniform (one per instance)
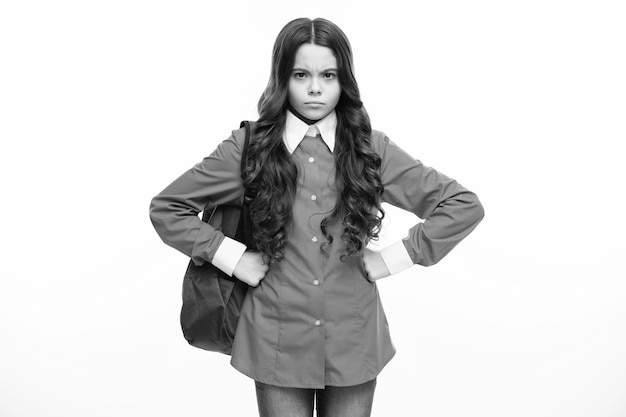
(315, 320)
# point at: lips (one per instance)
(314, 102)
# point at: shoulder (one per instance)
(233, 144)
(238, 136)
(379, 141)
(227, 154)
(389, 151)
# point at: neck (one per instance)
(301, 117)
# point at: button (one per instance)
(313, 197)
(311, 159)
(318, 323)
(312, 131)
(314, 239)
(316, 282)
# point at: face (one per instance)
(314, 88)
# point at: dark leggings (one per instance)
(353, 401)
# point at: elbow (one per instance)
(152, 210)
(471, 210)
(155, 212)
(478, 210)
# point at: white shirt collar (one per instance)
(295, 130)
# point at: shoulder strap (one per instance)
(244, 231)
(244, 152)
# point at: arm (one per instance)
(174, 212)
(449, 210)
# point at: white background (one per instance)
(102, 104)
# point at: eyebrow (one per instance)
(324, 70)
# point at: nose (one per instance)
(314, 88)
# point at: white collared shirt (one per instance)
(315, 320)
(229, 253)
(296, 130)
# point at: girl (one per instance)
(312, 326)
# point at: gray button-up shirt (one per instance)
(315, 320)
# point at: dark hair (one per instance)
(273, 174)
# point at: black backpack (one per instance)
(211, 299)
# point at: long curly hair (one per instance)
(272, 174)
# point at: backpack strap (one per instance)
(244, 230)
(244, 152)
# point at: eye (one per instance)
(299, 75)
(330, 76)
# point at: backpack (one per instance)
(211, 299)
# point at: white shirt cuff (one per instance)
(228, 255)
(396, 257)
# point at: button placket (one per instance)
(313, 199)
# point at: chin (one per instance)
(315, 115)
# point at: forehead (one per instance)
(310, 56)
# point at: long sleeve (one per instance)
(216, 180)
(450, 211)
